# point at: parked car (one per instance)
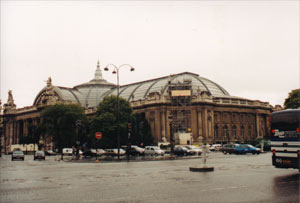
(246, 148)
(181, 151)
(153, 150)
(134, 150)
(100, 152)
(90, 153)
(17, 154)
(215, 147)
(114, 152)
(138, 149)
(39, 155)
(195, 149)
(229, 148)
(166, 148)
(50, 153)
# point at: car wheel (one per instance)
(12, 159)
(23, 158)
(225, 152)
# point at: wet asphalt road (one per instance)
(236, 178)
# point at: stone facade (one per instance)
(211, 118)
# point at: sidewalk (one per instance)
(132, 159)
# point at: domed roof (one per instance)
(139, 91)
(97, 81)
(86, 94)
(91, 93)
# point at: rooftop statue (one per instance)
(10, 102)
(49, 94)
(49, 82)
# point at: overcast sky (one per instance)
(250, 48)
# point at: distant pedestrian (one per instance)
(77, 153)
(73, 152)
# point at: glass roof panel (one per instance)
(67, 95)
(127, 92)
(140, 92)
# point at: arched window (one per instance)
(249, 132)
(225, 132)
(234, 131)
(242, 132)
(216, 131)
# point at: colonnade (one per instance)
(15, 128)
(212, 125)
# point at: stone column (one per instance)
(209, 124)
(168, 126)
(199, 123)
(163, 124)
(258, 125)
(14, 134)
(157, 122)
(194, 123)
(10, 124)
(204, 124)
(25, 129)
(17, 131)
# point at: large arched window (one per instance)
(234, 131)
(249, 132)
(216, 131)
(225, 132)
(242, 132)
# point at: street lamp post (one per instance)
(78, 125)
(116, 71)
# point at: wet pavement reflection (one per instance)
(237, 178)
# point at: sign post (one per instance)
(98, 135)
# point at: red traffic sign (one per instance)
(98, 135)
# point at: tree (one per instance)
(59, 123)
(33, 136)
(141, 132)
(293, 101)
(106, 122)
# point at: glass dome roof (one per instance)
(91, 93)
(139, 91)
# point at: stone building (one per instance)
(198, 106)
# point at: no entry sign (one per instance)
(98, 135)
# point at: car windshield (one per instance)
(18, 152)
(40, 152)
